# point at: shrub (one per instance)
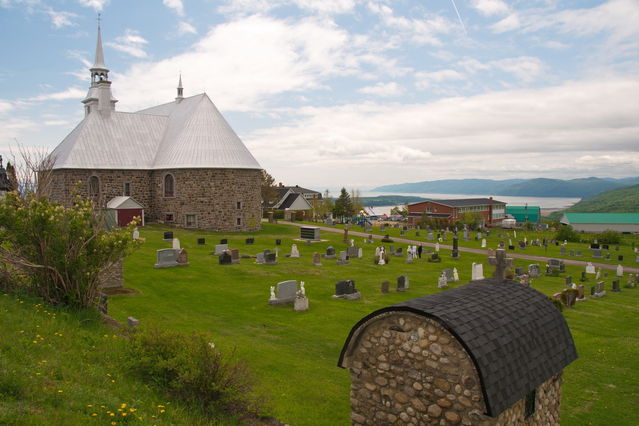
(189, 368)
(609, 237)
(55, 252)
(566, 233)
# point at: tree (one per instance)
(13, 177)
(267, 188)
(324, 206)
(356, 201)
(400, 211)
(343, 205)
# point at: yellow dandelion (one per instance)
(160, 406)
(93, 414)
(123, 414)
(108, 375)
(123, 405)
(133, 410)
(60, 391)
(162, 411)
(89, 405)
(111, 414)
(35, 341)
(113, 423)
(112, 381)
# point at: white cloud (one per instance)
(526, 68)
(391, 89)
(186, 28)
(61, 19)
(70, 93)
(326, 6)
(175, 5)
(131, 43)
(5, 106)
(426, 79)
(509, 23)
(490, 7)
(95, 4)
(242, 63)
(556, 131)
(322, 7)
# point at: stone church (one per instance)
(180, 160)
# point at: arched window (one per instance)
(94, 186)
(169, 186)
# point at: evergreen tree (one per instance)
(343, 205)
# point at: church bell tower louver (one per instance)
(99, 98)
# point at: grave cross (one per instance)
(500, 262)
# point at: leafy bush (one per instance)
(189, 368)
(609, 237)
(566, 233)
(55, 252)
(557, 303)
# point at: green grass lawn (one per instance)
(294, 354)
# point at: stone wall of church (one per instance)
(408, 369)
(210, 196)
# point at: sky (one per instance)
(331, 93)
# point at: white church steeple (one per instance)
(99, 97)
(180, 91)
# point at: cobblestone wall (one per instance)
(211, 195)
(408, 369)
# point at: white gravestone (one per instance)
(483, 243)
(442, 282)
(455, 275)
(619, 271)
(478, 271)
(436, 247)
(176, 243)
(590, 268)
(136, 234)
(294, 251)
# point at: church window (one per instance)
(239, 205)
(191, 220)
(169, 186)
(94, 186)
(127, 189)
(239, 221)
(169, 217)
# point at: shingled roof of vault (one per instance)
(514, 334)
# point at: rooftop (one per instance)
(600, 218)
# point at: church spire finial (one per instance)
(180, 90)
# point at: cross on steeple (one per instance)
(500, 262)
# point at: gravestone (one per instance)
(176, 244)
(201, 241)
(448, 273)
(225, 258)
(278, 242)
(615, 286)
(270, 259)
(235, 256)
(581, 293)
(385, 286)
(434, 258)
(562, 250)
(596, 253)
(409, 259)
(572, 253)
(401, 283)
(136, 234)
(360, 253)
(286, 293)
(310, 233)
(429, 236)
(259, 258)
(343, 259)
(556, 264)
(455, 252)
(619, 271)
(352, 252)
(500, 262)
(295, 253)
(533, 270)
(168, 236)
(346, 290)
(301, 301)
(330, 253)
(483, 243)
(317, 259)
(345, 235)
(584, 276)
(271, 217)
(620, 258)
(578, 253)
(442, 282)
(220, 248)
(605, 247)
(166, 258)
(183, 258)
(477, 271)
(328, 221)
(224, 241)
(398, 252)
(590, 268)
(522, 245)
(250, 241)
(132, 322)
(417, 234)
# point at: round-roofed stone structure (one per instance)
(490, 352)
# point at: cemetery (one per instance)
(259, 310)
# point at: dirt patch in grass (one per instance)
(118, 290)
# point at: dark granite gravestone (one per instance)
(522, 245)
(519, 270)
(224, 241)
(583, 276)
(562, 250)
(568, 280)
(346, 290)
(168, 236)
(434, 258)
(225, 259)
(278, 242)
(605, 247)
(330, 253)
(615, 286)
(201, 241)
(385, 286)
(620, 258)
(250, 241)
(270, 259)
(594, 246)
(455, 252)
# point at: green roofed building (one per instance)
(599, 222)
(523, 214)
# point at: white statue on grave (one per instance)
(273, 293)
(515, 234)
(136, 234)
(455, 275)
(382, 254)
(352, 242)
(436, 247)
(302, 289)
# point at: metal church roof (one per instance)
(186, 133)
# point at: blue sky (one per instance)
(342, 92)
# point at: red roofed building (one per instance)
(492, 211)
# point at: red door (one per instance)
(125, 216)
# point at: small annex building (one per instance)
(124, 209)
(599, 222)
(487, 353)
(524, 214)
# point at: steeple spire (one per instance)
(99, 96)
(180, 90)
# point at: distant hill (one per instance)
(389, 200)
(540, 187)
(621, 200)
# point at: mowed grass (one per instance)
(294, 355)
(59, 367)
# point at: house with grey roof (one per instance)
(180, 160)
